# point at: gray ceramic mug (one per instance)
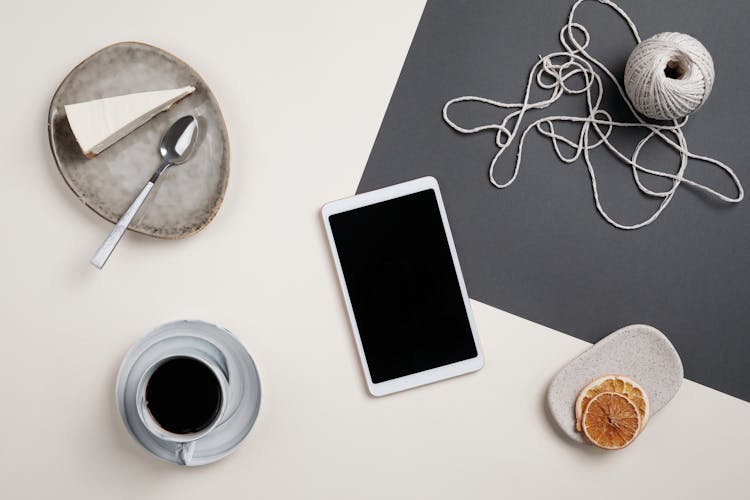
(185, 442)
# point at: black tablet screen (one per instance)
(403, 286)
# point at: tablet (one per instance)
(403, 286)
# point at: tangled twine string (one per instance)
(553, 72)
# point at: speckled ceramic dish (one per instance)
(639, 351)
(187, 197)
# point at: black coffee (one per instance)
(183, 395)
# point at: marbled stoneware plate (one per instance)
(187, 196)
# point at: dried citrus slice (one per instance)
(619, 384)
(611, 421)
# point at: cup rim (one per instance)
(148, 420)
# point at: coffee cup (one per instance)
(181, 398)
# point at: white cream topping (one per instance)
(100, 123)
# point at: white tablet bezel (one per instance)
(427, 376)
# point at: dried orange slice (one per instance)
(619, 384)
(611, 421)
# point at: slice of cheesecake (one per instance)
(99, 124)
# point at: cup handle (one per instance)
(185, 452)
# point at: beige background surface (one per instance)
(303, 88)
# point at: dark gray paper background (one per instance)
(539, 249)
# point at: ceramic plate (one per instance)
(187, 196)
(243, 389)
(640, 352)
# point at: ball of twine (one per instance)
(668, 76)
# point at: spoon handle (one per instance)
(101, 256)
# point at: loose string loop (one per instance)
(553, 73)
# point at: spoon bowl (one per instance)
(177, 144)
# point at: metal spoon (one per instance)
(175, 148)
